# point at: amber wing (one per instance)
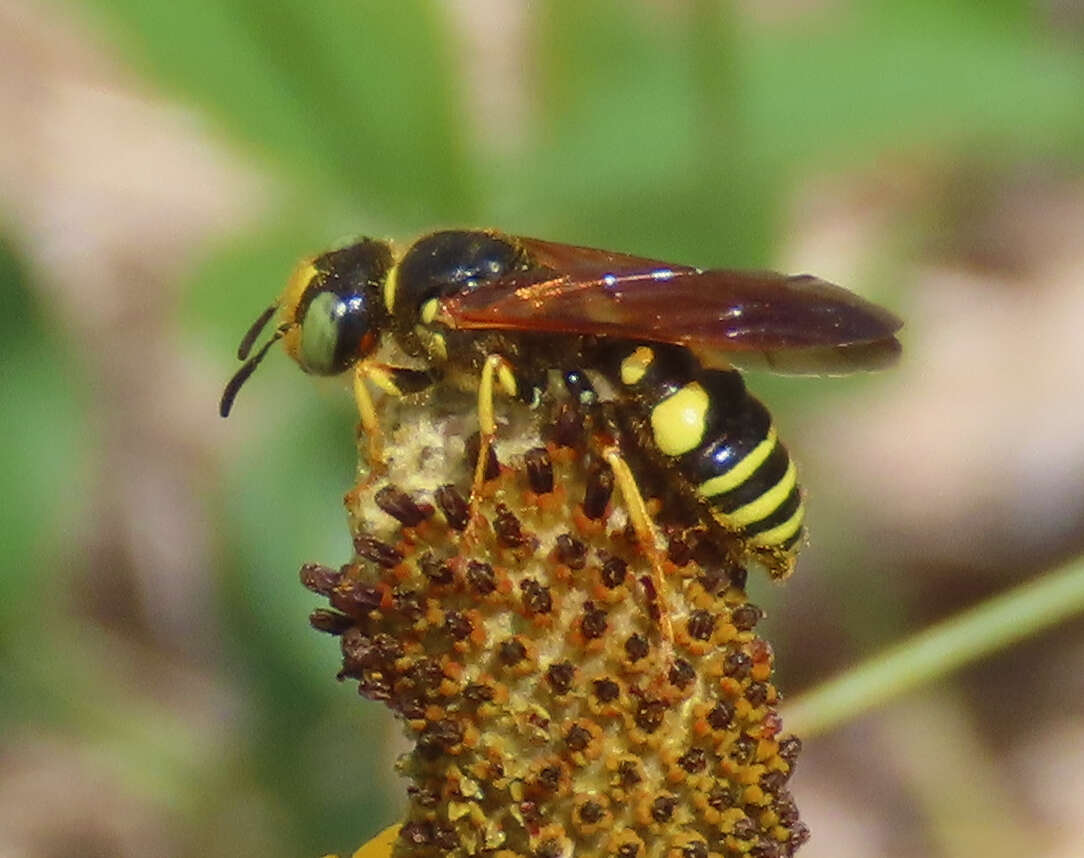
(577, 290)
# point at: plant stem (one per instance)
(934, 653)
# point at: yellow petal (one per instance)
(381, 845)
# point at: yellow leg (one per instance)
(370, 422)
(496, 371)
(395, 381)
(645, 533)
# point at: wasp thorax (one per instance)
(445, 263)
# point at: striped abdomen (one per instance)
(722, 442)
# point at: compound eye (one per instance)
(335, 332)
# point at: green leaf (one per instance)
(918, 77)
(354, 97)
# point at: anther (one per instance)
(457, 625)
(507, 527)
(568, 426)
(700, 625)
(570, 551)
(577, 738)
(481, 578)
(649, 715)
(614, 571)
(437, 571)
(593, 624)
(331, 622)
(493, 467)
(511, 651)
(559, 676)
(681, 674)
(720, 717)
(694, 760)
(636, 647)
(321, 580)
(453, 505)
(536, 597)
(400, 506)
(745, 617)
(539, 470)
(663, 808)
(600, 487)
(378, 552)
(606, 690)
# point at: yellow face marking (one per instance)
(429, 311)
(678, 421)
(391, 285)
(299, 281)
(634, 367)
(781, 532)
(764, 505)
(743, 470)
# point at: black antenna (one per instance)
(249, 338)
(247, 368)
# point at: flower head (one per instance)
(550, 713)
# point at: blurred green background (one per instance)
(163, 164)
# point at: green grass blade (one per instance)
(938, 651)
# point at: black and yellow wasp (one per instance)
(658, 342)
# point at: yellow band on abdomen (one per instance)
(742, 471)
(764, 505)
(781, 534)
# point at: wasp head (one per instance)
(332, 314)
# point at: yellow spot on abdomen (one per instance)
(634, 367)
(678, 422)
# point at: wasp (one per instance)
(659, 344)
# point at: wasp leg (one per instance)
(393, 380)
(583, 392)
(645, 535)
(497, 371)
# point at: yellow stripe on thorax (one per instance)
(391, 284)
(764, 505)
(741, 471)
(635, 366)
